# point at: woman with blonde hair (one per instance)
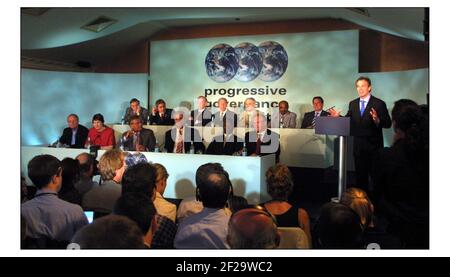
(163, 206)
(357, 200)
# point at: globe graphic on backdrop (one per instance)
(275, 61)
(250, 62)
(221, 63)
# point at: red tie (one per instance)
(258, 146)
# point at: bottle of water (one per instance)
(244, 150)
(212, 121)
(192, 150)
(123, 121)
(121, 144)
(156, 146)
(88, 143)
(148, 119)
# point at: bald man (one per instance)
(87, 169)
(75, 134)
(252, 228)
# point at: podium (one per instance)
(337, 126)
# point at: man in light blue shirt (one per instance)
(46, 215)
(207, 229)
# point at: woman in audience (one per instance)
(163, 206)
(401, 177)
(358, 201)
(279, 186)
(70, 176)
(100, 135)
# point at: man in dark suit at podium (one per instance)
(160, 114)
(76, 134)
(262, 141)
(309, 120)
(368, 116)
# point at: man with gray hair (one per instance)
(252, 228)
(75, 134)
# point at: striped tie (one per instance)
(313, 124)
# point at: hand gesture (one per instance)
(374, 115)
(154, 110)
(334, 113)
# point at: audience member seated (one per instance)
(252, 228)
(139, 208)
(209, 228)
(358, 201)
(338, 227)
(87, 164)
(262, 141)
(401, 177)
(226, 143)
(70, 176)
(46, 215)
(160, 115)
(284, 118)
(280, 186)
(309, 119)
(135, 109)
(101, 199)
(110, 232)
(180, 138)
(140, 178)
(138, 138)
(163, 206)
(100, 135)
(201, 116)
(75, 135)
(188, 206)
(224, 117)
(246, 119)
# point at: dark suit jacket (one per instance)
(231, 118)
(80, 137)
(368, 136)
(217, 147)
(250, 141)
(206, 117)
(129, 113)
(190, 134)
(308, 118)
(146, 138)
(165, 120)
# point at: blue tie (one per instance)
(362, 108)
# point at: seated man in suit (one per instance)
(224, 117)
(262, 141)
(226, 143)
(250, 112)
(201, 116)
(135, 109)
(76, 134)
(309, 120)
(284, 118)
(160, 115)
(180, 138)
(138, 138)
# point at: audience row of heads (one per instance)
(340, 225)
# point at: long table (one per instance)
(247, 174)
(299, 147)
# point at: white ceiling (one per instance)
(57, 34)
